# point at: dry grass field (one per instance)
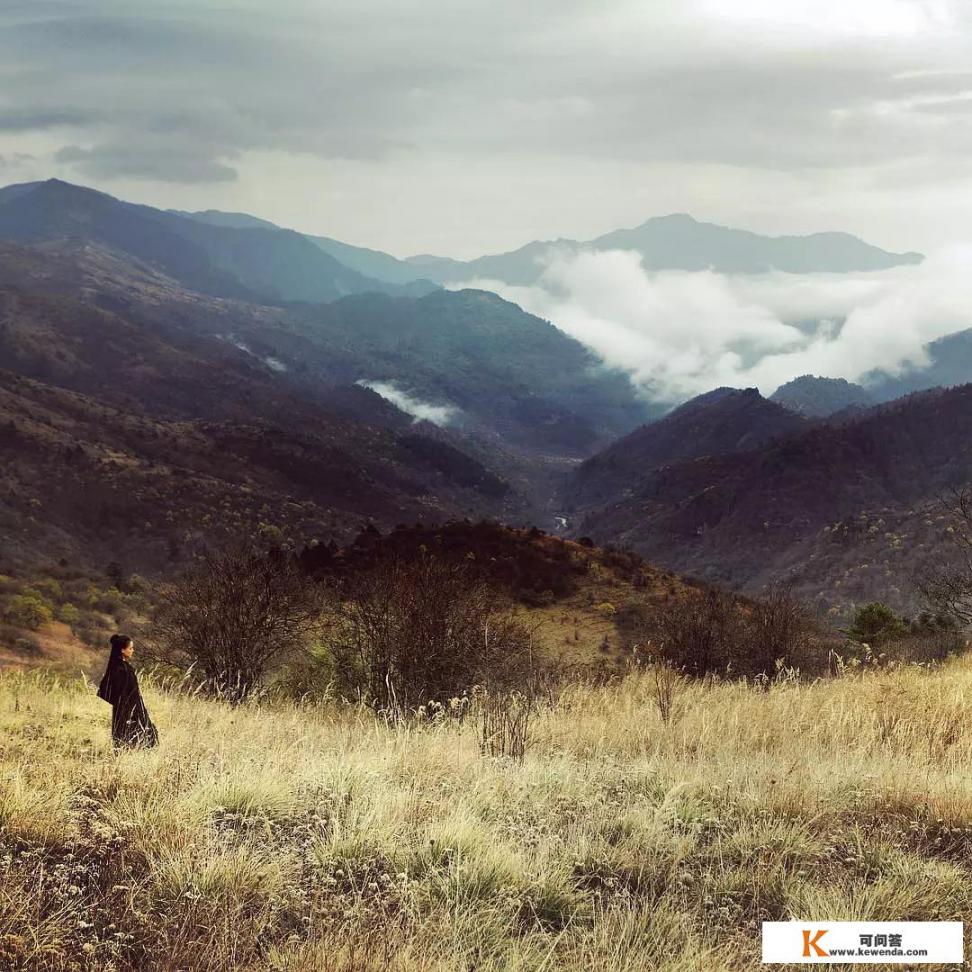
(273, 837)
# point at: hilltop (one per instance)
(576, 598)
(720, 422)
(819, 397)
(847, 509)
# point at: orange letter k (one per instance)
(809, 943)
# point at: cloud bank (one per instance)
(419, 410)
(680, 334)
(472, 126)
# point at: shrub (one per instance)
(777, 629)
(28, 611)
(49, 589)
(26, 646)
(712, 631)
(876, 624)
(110, 602)
(69, 614)
(412, 632)
(234, 616)
(700, 634)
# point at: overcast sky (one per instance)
(469, 126)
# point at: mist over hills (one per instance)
(949, 363)
(674, 245)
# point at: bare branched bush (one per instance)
(504, 723)
(699, 634)
(777, 629)
(714, 632)
(667, 685)
(412, 632)
(233, 617)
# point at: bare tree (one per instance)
(946, 586)
(410, 632)
(777, 626)
(233, 616)
(698, 633)
(713, 631)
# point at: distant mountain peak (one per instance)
(674, 218)
(679, 241)
(819, 397)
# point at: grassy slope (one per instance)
(578, 630)
(323, 840)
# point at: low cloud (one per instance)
(419, 410)
(679, 334)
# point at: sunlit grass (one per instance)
(302, 838)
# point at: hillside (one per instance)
(496, 367)
(251, 261)
(506, 378)
(578, 601)
(371, 263)
(573, 595)
(227, 414)
(172, 434)
(91, 482)
(679, 242)
(842, 508)
(723, 421)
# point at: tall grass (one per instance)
(320, 838)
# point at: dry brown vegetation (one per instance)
(322, 838)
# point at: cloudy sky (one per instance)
(469, 126)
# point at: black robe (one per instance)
(130, 722)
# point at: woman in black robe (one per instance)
(130, 722)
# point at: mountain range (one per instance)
(141, 413)
(675, 242)
(255, 261)
(169, 379)
(679, 242)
